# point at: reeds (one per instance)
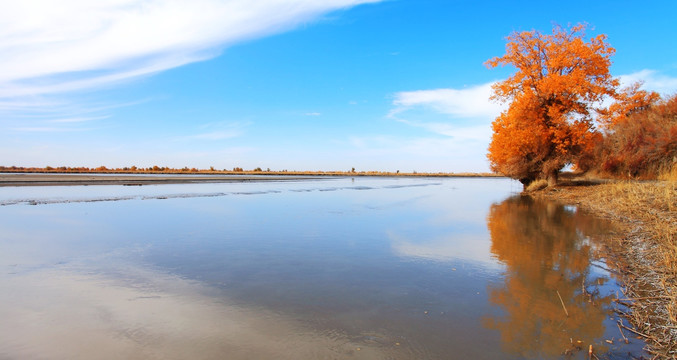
(645, 249)
(669, 174)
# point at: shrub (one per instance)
(643, 145)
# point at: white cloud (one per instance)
(463, 117)
(472, 102)
(313, 114)
(419, 109)
(47, 129)
(480, 132)
(50, 47)
(78, 119)
(652, 80)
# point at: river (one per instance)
(334, 268)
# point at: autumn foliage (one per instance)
(554, 100)
(629, 101)
(641, 143)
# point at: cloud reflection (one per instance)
(66, 313)
(473, 247)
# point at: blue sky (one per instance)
(283, 84)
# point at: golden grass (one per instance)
(654, 204)
(670, 174)
(537, 185)
(646, 215)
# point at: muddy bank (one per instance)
(129, 180)
(643, 251)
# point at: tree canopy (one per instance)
(553, 98)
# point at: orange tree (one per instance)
(560, 79)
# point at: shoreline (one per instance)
(641, 250)
(41, 179)
(140, 179)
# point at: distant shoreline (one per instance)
(71, 179)
(38, 178)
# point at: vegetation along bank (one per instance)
(642, 250)
(566, 109)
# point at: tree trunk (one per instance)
(552, 178)
(525, 182)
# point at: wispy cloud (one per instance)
(79, 119)
(40, 115)
(313, 114)
(471, 102)
(465, 113)
(49, 47)
(393, 145)
(216, 135)
(652, 80)
(426, 153)
(47, 129)
(479, 132)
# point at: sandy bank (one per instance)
(129, 180)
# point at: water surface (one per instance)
(367, 268)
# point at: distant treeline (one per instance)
(212, 171)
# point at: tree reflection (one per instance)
(546, 251)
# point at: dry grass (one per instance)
(537, 185)
(670, 174)
(646, 250)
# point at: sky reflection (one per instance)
(337, 268)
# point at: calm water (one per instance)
(364, 268)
